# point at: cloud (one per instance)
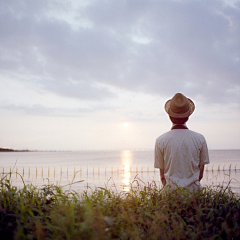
(155, 47)
(40, 110)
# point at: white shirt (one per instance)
(180, 152)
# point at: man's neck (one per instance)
(174, 124)
(179, 126)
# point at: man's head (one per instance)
(179, 108)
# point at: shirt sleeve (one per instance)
(159, 162)
(204, 156)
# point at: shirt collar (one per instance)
(174, 126)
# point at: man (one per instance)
(181, 154)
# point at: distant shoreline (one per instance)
(12, 150)
(95, 150)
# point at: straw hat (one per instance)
(179, 106)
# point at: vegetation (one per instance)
(6, 150)
(12, 150)
(145, 212)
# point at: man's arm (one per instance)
(159, 163)
(201, 172)
(163, 180)
(204, 159)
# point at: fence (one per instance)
(87, 170)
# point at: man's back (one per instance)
(179, 153)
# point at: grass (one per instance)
(145, 212)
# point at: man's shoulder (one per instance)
(165, 135)
(196, 134)
(171, 134)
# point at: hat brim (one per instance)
(181, 115)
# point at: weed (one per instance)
(146, 211)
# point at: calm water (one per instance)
(111, 168)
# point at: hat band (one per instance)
(179, 115)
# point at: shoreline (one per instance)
(12, 150)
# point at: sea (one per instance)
(119, 169)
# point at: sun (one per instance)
(125, 124)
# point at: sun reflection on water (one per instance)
(126, 159)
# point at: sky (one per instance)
(95, 74)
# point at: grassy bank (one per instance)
(145, 212)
